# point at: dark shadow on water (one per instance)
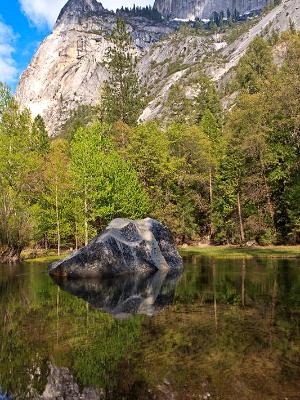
(125, 295)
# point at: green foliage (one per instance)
(82, 116)
(224, 178)
(261, 163)
(181, 109)
(105, 186)
(137, 11)
(40, 138)
(178, 108)
(123, 195)
(54, 201)
(5, 97)
(19, 181)
(121, 97)
(175, 67)
(256, 66)
(173, 166)
(207, 99)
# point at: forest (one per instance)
(215, 174)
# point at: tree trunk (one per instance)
(85, 218)
(57, 220)
(76, 237)
(211, 228)
(242, 232)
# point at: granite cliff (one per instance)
(68, 69)
(203, 9)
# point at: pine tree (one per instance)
(121, 97)
(40, 138)
(208, 99)
(5, 97)
(256, 66)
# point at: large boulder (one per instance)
(126, 246)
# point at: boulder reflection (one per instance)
(123, 296)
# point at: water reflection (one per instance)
(125, 295)
(231, 329)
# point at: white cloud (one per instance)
(45, 12)
(8, 70)
(42, 12)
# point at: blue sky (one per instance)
(24, 24)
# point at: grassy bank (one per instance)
(238, 252)
(42, 256)
(208, 251)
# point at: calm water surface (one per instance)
(223, 330)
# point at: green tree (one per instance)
(256, 66)
(282, 100)
(148, 151)
(178, 108)
(55, 198)
(19, 180)
(121, 97)
(86, 164)
(207, 99)
(81, 116)
(189, 149)
(105, 186)
(40, 138)
(122, 195)
(5, 97)
(211, 129)
(173, 165)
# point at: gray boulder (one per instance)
(126, 246)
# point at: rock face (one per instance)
(62, 385)
(68, 69)
(203, 9)
(126, 246)
(75, 9)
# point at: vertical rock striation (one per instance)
(191, 9)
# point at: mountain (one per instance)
(68, 69)
(75, 9)
(203, 9)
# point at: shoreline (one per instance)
(225, 252)
(243, 252)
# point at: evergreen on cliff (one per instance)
(121, 98)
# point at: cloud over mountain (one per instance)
(8, 70)
(44, 12)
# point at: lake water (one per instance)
(224, 329)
